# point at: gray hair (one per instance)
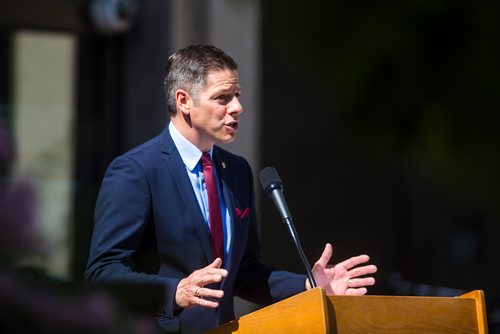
(189, 68)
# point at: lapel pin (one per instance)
(223, 165)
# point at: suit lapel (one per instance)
(177, 170)
(223, 170)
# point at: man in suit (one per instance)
(191, 205)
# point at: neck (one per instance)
(186, 129)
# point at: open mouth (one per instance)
(233, 125)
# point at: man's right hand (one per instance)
(191, 290)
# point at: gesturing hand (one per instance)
(344, 277)
(191, 290)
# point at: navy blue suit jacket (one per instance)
(149, 229)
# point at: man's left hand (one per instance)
(344, 278)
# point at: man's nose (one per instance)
(235, 107)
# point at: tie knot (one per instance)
(206, 161)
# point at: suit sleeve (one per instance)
(122, 212)
(255, 281)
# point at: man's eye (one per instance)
(224, 99)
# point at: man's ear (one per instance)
(183, 101)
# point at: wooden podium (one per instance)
(315, 312)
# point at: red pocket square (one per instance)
(242, 214)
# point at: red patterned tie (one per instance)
(216, 234)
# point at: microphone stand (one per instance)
(271, 183)
(295, 237)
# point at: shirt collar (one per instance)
(190, 154)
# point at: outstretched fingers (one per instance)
(361, 282)
(356, 292)
(363, 270)
(325, 256)
(354, 261)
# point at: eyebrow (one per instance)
(226, 89)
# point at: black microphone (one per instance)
(273, 187)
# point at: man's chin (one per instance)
(227, 139)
